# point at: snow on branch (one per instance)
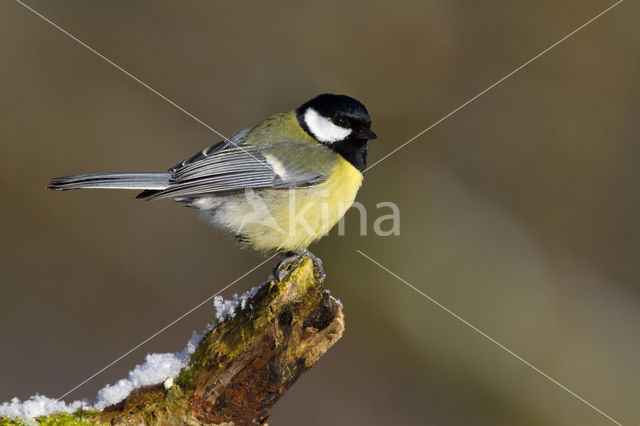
(231, 374)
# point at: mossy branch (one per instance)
(243, 366)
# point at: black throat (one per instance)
(352, 150)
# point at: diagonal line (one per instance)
(164, 328)
(495, 84)
(151, 89)
(509, 351)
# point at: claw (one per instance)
(284, 267)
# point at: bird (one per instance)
(276, 187)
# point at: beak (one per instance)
(366, 133)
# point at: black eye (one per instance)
(340, 120)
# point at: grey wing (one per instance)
(230, 166)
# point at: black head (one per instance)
(339, 122)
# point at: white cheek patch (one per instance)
(322, 127)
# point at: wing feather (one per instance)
(234, 165)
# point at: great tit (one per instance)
(277, 186)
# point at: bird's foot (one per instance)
(287, 264)
(316, 260)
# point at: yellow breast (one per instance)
(291, 219)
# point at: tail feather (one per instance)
(141, 181)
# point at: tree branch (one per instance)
(243, 366)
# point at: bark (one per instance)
(242, 367)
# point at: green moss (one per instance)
(230, 339)
(58, 419)
(64, 419)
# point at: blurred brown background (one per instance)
(520, 212)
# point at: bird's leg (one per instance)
(282, 268)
